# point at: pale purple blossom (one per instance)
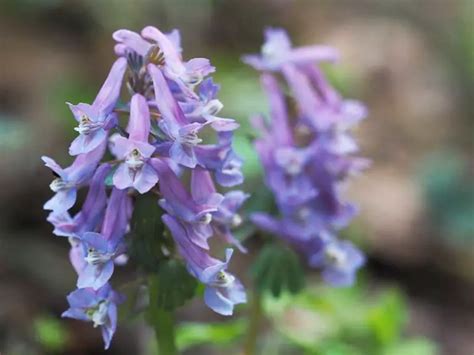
(223, 290)
(225, 217)
(91, 213)
(135, 151)
(94, 120)
(308, 157)
(171, 102)
(339, 262)
(68, 180)
(101, 249)
(277, 51)
(96, 306)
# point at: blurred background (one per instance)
(411, 62)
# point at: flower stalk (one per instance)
(255, 317)
(162, 321)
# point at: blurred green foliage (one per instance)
(13, 133)
(218, 334)
(69, 88)
(50, 333)
(351, 321)
(276, 270)
(320, 321)
(449, 192)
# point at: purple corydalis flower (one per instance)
(94, 120)
(164, 50)
(223, 290)
(306, 159)
(339, 261)
(222, 160)
(99, 307)
(321, 108)
(225, 216)
(170, 104)
(92, 209)
(179, 203)
(101, 249)
(99, 257)
(277, 51)
(173, 122)
(184, 112)
(135, 170)
(207, 107)
(69, 179)
(190, 73)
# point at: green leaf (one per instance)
(192, 334)
(162, 321)
(172, 286)
(277, 269)
(149, 241)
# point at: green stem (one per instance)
(165, 332)
(255, 316)
(162, 321)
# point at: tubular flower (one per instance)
(277, 52)
(98, 307)
(223, 290)
(94, 120)
(171, 101)
(308, 155)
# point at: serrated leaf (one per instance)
(278, 269)
(172, 286)
(148, 239)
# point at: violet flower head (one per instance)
(171, 101)
(307, 156)
(185, 99)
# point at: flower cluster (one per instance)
(307, 152)
(172, 106)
